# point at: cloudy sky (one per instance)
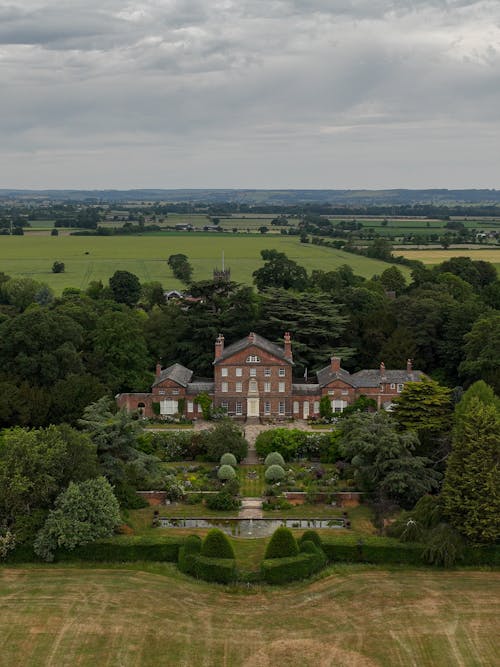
(250, 93)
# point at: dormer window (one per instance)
(253, 359)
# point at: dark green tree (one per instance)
(279, 271)
(125, 287)
(482, 357)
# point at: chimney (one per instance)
(335, 364)
(219, 346)
(382, 368)
(158, 370)
(409, 366)
(288, 346)
(251, 337)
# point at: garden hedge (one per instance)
(293, 568)
(220, 570)
(217, 545)
(282, 544)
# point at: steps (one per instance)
(251, 508)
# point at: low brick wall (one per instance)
(341, 498)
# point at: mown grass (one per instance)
(356, 616)
(97, 258)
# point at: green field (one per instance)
(97, 258)
(357, 616)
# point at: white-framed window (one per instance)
(393, 385)
(296, 407)
(281, 386)
(239, 408)
(400, 387)
(253, 359)
(224, 372)
(224, 405)
(339, 406)
(281, 372)
(345, 392)
(223, 387)
(267, 372)
(267, 386)
(316, 407)
(281, 408)
(190, 406)
(330, 392)
(238, 387)
(267, 407)
(162, 392)
(252, 387)
(253, 372)
(175, 392)
(168, 407)
(239, 372)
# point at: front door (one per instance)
(252, 407)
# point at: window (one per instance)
(267, 386)
(330, 392)
(253, 359)
(239, 408)
(238, 386)
(400, 387)
(175, 392)
(252, 387)
(190, 406)
(296, 408)
(253, 372)
(281, 386)
(224, 405)
(168, 407)
(281, 372)
(239, 372)
(224, 372)
(267, 372)
(281, 408)
(393, 385)
(223, 387)
(162, 391)
(267, 408)
(316, 407)
(345, 392)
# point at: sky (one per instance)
(249, 93)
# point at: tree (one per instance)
(279, 271)
(58, 267)
(126, 287)
(181, 268)
(225, 437)
(482, 359)
(393, 279)
(383, 459)
(471, 488)
(83, 513)
(325, 407)
(380, 249)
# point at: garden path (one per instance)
(251, 508)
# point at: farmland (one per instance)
(151, 614)
(436, 256)
(90, 258)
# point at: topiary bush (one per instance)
(226, 472)
(293, 568)
(228, 459)
(310, 536)
(274, 473)
(220, 570)
(217, 545)
(274, 458)
(186, 561)
(281, 544)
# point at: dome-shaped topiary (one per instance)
(282, 544)
(228, 459)
(308, 547)
(274, 473)
(226, 472)
(217, 545)
(311, 536)
(192, 544)
(274, 458)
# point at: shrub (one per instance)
(217, 545)
(228, 459)
(412, 532)
(222, 502)
(308, 547)
(283, 570)
(310, 536)
(283, 440)
(232, 487)
(274, 473)
(58, 267)
(226, 472)
(187, 554)
(220, 570)
(281, 544)
(444, 546)
(274, 458)
(226, 437)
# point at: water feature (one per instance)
(250, 528)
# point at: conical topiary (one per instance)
(217, 545)
(282, 544)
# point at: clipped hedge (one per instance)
(187, 554)
(126, 549)
(217, 545)
(220, 570)
(282, 544)
(311, 536)
(293, 568)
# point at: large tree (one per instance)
(482, 357)
(126, 287)
(279, 271)
(471, 489)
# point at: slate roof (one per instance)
(327, 375)
(305, 389)
(373, 377)
(258, 341)
(176, 372)
(199, 386)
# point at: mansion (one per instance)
(254, 378)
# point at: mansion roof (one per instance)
(176, 372)
(253, 340)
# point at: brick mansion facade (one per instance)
(254, 378)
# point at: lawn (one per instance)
(357, 616)
(97, 258)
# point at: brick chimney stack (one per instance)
(409, 366)
(219, 346)
(382, 368)
(335, 364)
(251, 337)
(158, 370)
(288, 346)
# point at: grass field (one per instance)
(97, 258)
(436, 256)
(357, 616)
